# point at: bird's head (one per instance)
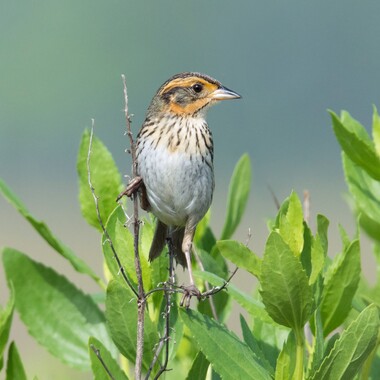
(189, 94)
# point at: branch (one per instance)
(217, 289)
(96, 200)
(168, 290)
(136, 229)
(306, 206)
(99, 356)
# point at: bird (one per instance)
(174, 163)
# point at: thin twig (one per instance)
(99, 356)
(96, 200)
(136, 230)
(217, 289)
(275, 199)
(204, 295)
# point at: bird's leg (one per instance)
(190, 290)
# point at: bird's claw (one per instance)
(188, 292)
(132, 188)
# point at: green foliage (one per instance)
(6, 316)
(105, 178)
(237, 196)
(300, 288)
(341, 282)
(240, 255)
(199, 367)
(286, 360)
(352, 348)
(121, 313)
(284, 285)
(43, 230)
(232, 359)
(53, 309)
(99, 371)
(15, 368)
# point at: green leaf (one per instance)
(312, 255)
(317, 349)
(157, 270)
(376, 130)
(253, 344)
(44, 231)
(286, 361)
(237, 196)
(364, 189)
(222, 262)
(341, 283)
(121, 314)
(291, 226)
(105, 178)
(322, 229)
(6, 316)
(358, 148)
(204, 237)
(69, 317)
(352, 348)
(271, 338)
(15, 368)
(370, 226)
(254, 307)
(240, 255)
(229, 357)
(317, 259)
(306, 250)
(198, 370)
(221, 300)
(98, 370)
(285, 287)
(123, 242)
(147, 229)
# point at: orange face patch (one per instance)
(190, 108)
(193, 106)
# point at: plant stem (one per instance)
(136, 229)
(300, 350)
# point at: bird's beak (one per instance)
(224, 93)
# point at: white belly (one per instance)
(178, 189)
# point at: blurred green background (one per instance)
(60, 66)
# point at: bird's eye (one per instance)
(197, 87)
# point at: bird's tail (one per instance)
(159, 240)
(177, 238)
(160, 235)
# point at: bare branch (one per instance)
(96, 201)
(306, 206)
(275, 199)
(136, 230)
(99, 356)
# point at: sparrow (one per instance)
(174, 157)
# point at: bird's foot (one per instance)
(188, 292)
(133, 186)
